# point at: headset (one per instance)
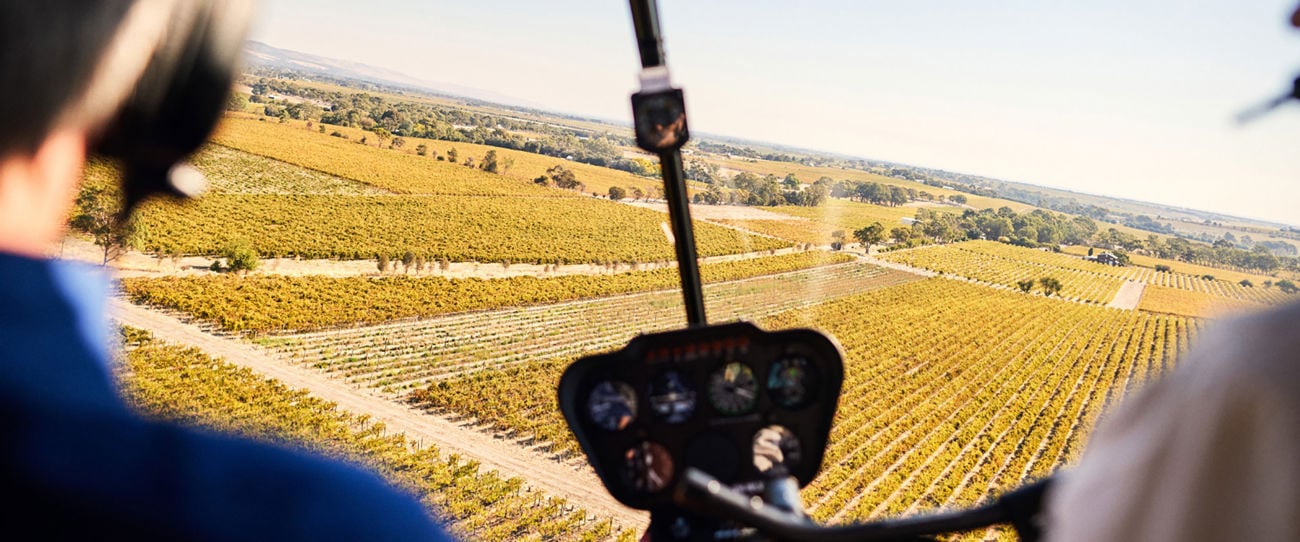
(177, 102)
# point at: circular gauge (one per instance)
(648, 467)
(732, 389)
(612, 405)
(792, 382)
(775, 445)
(672, 400)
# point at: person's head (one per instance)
(66, 66)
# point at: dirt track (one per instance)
(576, 484)
(1128, 296)
(135, 264)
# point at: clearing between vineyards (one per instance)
(277, 304)
(577, 486)
(952, 391)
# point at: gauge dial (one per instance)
(648, 467)
(672, 399)
(792, 382)
(612, 405)
(733, 389)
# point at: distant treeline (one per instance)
(1041, 228)
(422, 120)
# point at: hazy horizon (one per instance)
(1133, 103)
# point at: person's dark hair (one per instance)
(51, 52)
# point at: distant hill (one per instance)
(258, 54)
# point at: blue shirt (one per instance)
(80, 465)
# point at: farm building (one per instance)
(1107, 258)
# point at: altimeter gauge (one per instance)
(732, 389)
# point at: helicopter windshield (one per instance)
(1009, 218)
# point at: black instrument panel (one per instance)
(728, 399)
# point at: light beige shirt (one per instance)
(1210, 452)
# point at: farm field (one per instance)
(1088, 281)
(1183, 268)
(456, 228)
(270, 304)
(797, 230)
(851, 215)
(995, 263)
(809, 174)
(264, 137)
(940, 407)
(324, 197)
(183, 384)
(402, 356)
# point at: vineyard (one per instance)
(524, 166)
(393, 171)
(402, 356)
(953, 392)
(234, 171)
(455, 228)
(320, 197)
(1006, 265)
(183, 384)
(1003, 264)
(853, 215)
(799, 231)
(270, 303)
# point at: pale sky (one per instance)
(1128, 98)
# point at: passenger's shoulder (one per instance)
(1261, 348)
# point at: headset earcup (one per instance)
(178, 100)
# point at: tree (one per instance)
(408, 260)
(240, 257)
(469, 161)
(637, 193)
(1025, 285)
(489, 163)
(562, 177)
(237, 102)
(1286, 286)
(617, 193)
(383, 135)
(452, 155)
(958, 199)
(397, 143)
(870, 235)
(95, 213)
(1246, 283)
(422, 149)
(1050, 285)
(382, 263)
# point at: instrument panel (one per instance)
(731, 400)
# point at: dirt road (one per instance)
(135, 264)
(1128, 296)
(576, 484)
